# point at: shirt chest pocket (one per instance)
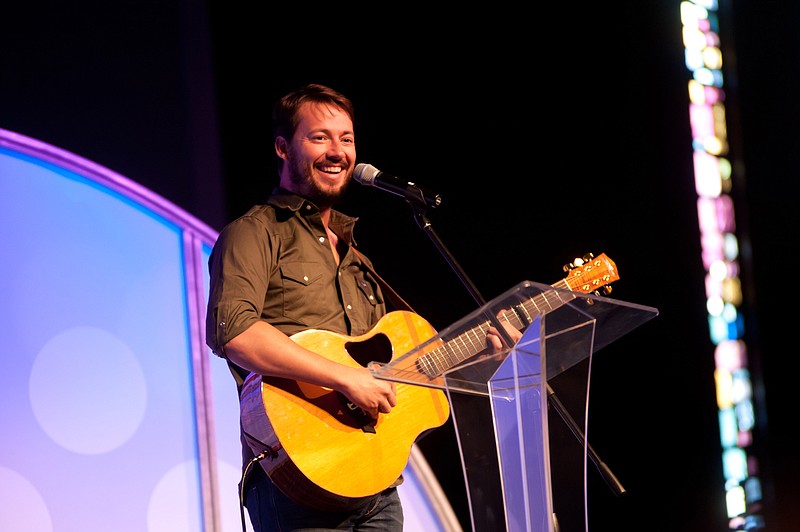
(307, 292)
(303, 273)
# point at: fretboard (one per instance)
(473, 341)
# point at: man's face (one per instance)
(321, 156)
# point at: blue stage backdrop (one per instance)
(114, 413)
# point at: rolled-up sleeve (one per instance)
(239, 269)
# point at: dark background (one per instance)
(550, 131)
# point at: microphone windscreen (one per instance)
(365, 174)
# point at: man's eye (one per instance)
(348, 141)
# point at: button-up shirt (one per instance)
(275, 264)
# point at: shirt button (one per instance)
(321, 239)
(371, 298)
(305, 278)
(349, 307)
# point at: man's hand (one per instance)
(494, 341)
(373, 396)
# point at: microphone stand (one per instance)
(416, 199)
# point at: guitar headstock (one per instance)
(591, 274)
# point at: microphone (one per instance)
(366, 174)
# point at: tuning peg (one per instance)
(604, 291)
(588, 257)
(577, 262)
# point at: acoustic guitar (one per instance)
(321, 450)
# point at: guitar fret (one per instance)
(438, 361)
(426, 367)
(444, 357)
(474, 340)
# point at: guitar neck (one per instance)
(473, 341)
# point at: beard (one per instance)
(301, 175)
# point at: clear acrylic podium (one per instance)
(499, 401)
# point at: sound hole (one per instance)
(375, 349)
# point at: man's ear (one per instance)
(281, 147)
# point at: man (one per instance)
(289, 266)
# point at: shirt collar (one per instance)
(340, 223)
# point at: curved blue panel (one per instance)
(98, 395)
(114, 413)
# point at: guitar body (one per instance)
(321, 452)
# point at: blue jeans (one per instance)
(272, 511)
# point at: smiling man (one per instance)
(286, 267)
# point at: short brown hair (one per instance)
(284, 113)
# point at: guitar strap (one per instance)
(397, 302)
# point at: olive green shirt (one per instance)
(275, 264)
